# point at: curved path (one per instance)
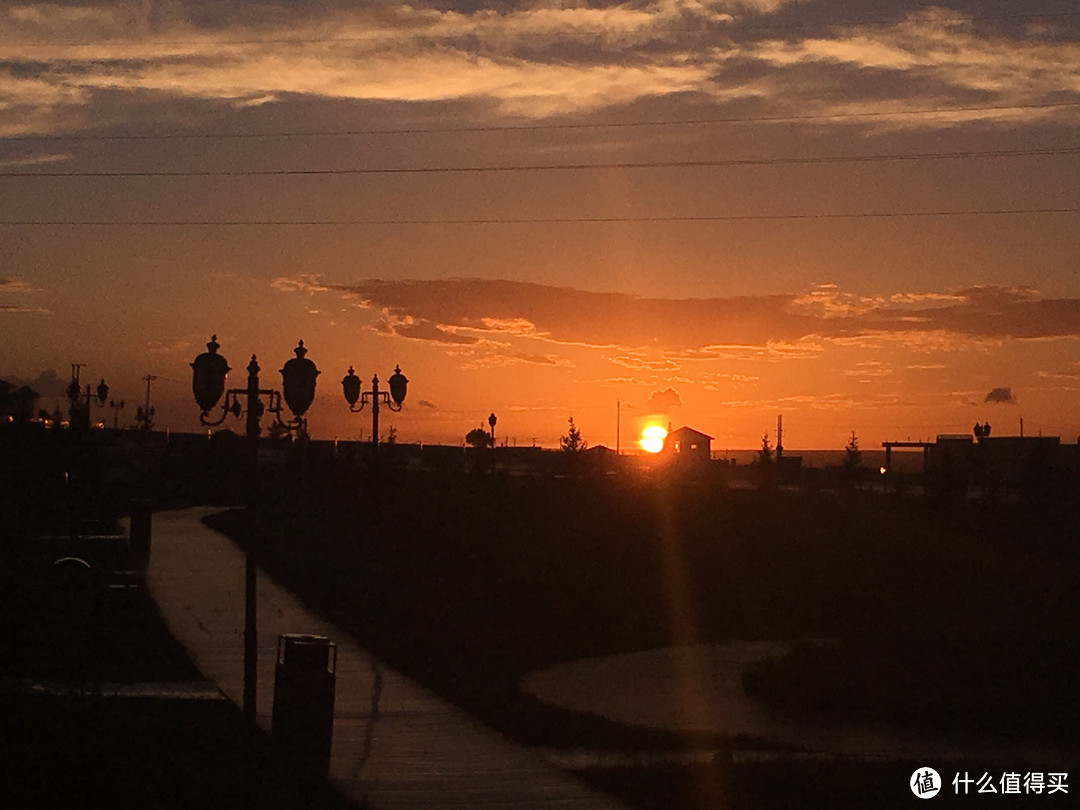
(699, 689)
(395, 744)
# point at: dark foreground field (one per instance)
(64, 745)
(949, 622)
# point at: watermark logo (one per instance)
(925, 783)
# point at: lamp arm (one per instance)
(273, 401)
(365, 399)
(206, 422)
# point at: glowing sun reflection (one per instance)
(652, 439)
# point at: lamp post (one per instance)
(392, 400)
(80, 410)
(208, 385)
(117, 407)
(491, 422)
(144, 414)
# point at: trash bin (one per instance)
(303, 716)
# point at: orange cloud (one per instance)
(743, 327)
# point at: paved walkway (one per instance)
(698, 689)
(395, 744)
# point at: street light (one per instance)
(208, 385)
(117, 407)
(491, 422)
(298, 382)
(80, 411)
(393, 400)
(144, 414)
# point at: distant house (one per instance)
(688, 446)
(17, 404)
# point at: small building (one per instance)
(688, 446)
(17, 404)
(993, 468)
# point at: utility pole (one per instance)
(146, 412)
(618, 427)
(74, 391)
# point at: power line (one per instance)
(730, 26)
(536, 220)
(670, 164)
(765, 119)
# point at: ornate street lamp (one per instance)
(491, 423)
(393, 400)
(80, 409)
(208, 385)
(298, 382)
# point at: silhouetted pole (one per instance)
(149, 378)
(374, 414)
(116, 406)
(779, 438)
(491, 421)
(74, 392)
(251, 633)
(208, 384)
(618, 427)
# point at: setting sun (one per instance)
(652, 439)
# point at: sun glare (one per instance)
(652, 439)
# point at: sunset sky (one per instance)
(862, 216)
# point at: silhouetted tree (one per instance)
(391, 435)
(851, 464)
(765, 454)
(764, 468)
(145, 417)
(478, 437)
(572, 442)
(852, 455)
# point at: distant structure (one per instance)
(17, 404)
(788, 467)
(994, 468)
(687, 446)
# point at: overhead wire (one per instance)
(538, 220)
(660, 164)
(566, 166)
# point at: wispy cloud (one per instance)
(178, 348)
(12, 285)
(643, 364)
(302, 282)
(19, 288)
(34, 160)
(745, 327)
(499, 360)
(527, 59)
